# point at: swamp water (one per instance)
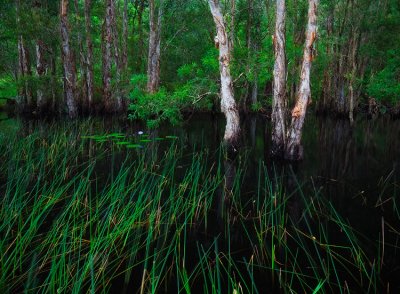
(99, 206)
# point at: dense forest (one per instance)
(199, 146)
(158, 58)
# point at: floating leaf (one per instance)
(123, 143)
(171, 137)
(88, 137)
(145, 140)
(134, 146)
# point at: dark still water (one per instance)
(330, 223)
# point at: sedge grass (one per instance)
(80, 215)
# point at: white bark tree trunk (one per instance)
(107, 56)
(279, 100)
(89, 56)
(68, 63)
(293, 149)
(41, 68)
(153, 65)
(228, 103)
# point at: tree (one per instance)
(279, 99)
(68, 62)
(89, 56)
(110, 45)
(228, 103)
(293, 149)
(153, 61)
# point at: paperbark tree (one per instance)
(279, 100)
(24, 66)
(41, 68)
(293, 149)
(153, 62)
(68, 63)
(89, 56)
(125, 36)
(24, 72)
(107, 57)
(228, 103)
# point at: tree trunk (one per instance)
(107, 56)
(24, 73)
(81, 93)
(68, 63)
(125, 36)
(41, 68)
(89, 57)
(24, 67)
(228, 104)
(118, 54)
(140, 44)
(153, 65)
(279, 100)
(293, 149)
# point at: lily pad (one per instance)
(134, 146)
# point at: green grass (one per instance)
(80, 215)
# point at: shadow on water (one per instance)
(269, 222)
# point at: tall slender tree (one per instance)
(279, 99)
(41, 68)
(293, 149)
(89, 56)
(153, 61)
(107, 56)
(24, 65)
(68, 62)
(228, 103)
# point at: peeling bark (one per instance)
(228, 104)
(24, 73)
(293, 149)
(89, 56)
(125, 36)
(68, 63)
(41, 68)
(279, 100)
(107, 56)
(153, 65)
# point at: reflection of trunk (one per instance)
(279, 101)
(293, 149)
(89, 58)
(228, 104)
(68, 63)
(107, 47)
(153, 65)
(41, 68)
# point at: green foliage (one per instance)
(385, 85)
(8, 87)
(152, 108)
